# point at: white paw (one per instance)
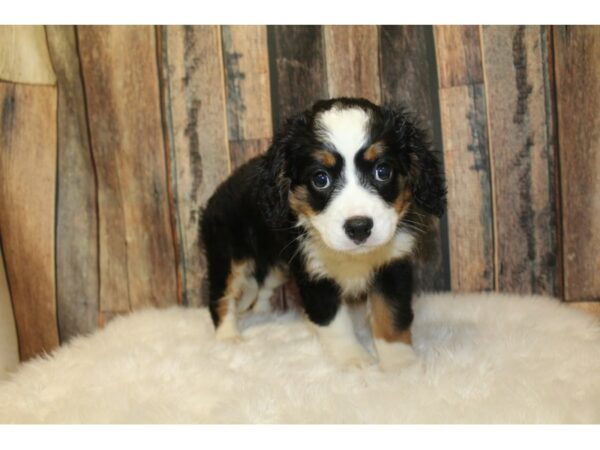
(394, 357)
(228, 332)
(351, 355)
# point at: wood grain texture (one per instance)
(9, 344)
(408, 78)
(522, 152)
(298, 70)
(27, 202)
(466, 158)
(77, 271)
(458, 55)
(577, 63)
(137, 261)
(351, 54)
(24, 55)
(193, 95)
(469, 188)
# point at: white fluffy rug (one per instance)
(485, 358)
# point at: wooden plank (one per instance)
(9, 344)
(352, 59)
(298, 74)
(27, 202)
(522, 155)
(77, 284)
(137, 260)
(466, 158)
(407, 57)
(24, 55)
(577, 52)
(458, 55)
(193, 96)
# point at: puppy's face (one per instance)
(353, 170)
(352, 187)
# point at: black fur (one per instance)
(249, 215)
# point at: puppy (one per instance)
(340, 201)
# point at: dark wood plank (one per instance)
(466, 158)
(24, 55)
(351, 54)
(137, 261)
(27, 202)
(193, 96)
(407, 59)
(77, 271)
(298, 73)
(577, 52)
(523, 163)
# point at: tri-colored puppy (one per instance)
(340, 201)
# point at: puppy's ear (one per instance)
(275, 173)
(425, 173)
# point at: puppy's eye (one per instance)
(383, 172)
(321, 180)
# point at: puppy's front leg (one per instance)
(324, 308)
(392, 316)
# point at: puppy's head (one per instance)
(351, 171)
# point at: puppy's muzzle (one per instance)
(358, 228)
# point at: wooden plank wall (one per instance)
(124, 133)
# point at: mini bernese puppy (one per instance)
(340, 201)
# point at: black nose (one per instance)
(358, 228)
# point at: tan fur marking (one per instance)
(402, 202)
(326, 158)
(240, 272)
(382, 322)
(298, 200)
(374, 151)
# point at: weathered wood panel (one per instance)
(195, 117)
(408, 77)
(577, 52)
(137, 261)
(9, 344)
(352, 60)
(466, 158)
(522, 156)
(249, 118)
(27, 199)
(24, 55)
(298, 74)
(77, 283)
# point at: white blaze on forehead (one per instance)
(346, 129)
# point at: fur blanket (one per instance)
(484, 358)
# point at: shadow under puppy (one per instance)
(340, 201)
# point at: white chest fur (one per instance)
(353, 272)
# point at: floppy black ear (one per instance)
(426, 173)
(274, 178)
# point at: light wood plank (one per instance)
(27, 202)
(77, 270)
(458, 55)
(577, 51)
(137, 258)
(195, 117)
(24, 55)
(9, 344)
(352, 58)
(522, 150)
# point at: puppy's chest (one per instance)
(354, 273)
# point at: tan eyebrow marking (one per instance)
(374, 151)
(326, 158)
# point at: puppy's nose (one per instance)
(358, 228)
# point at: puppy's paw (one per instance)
(351, 356)
(394, 357)
(228, 333)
